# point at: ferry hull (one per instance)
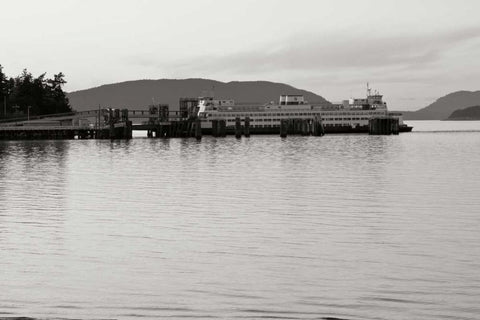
(327, 129)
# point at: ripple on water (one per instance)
(338, 227)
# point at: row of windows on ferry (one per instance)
(291, 114)
(324, 119)
(326, 125)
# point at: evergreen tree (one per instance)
(57, 99)
(41, 95)
(3, 91)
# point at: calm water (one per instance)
(345, 226)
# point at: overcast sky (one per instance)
(413, 52)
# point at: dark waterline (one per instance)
(338, 227)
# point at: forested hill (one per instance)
(141, 93)
(444, 106)
(470, 113)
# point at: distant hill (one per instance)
(140, 94)
(443, 107)
(470, 113)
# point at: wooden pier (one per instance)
(158, 121)
(106, 124)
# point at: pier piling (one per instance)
(198, 129)
(383, 126)
(284, 124)
(238, 128)
(305, 131)
(318, 129)
(247, 127)
(222, 126)
(215, 128)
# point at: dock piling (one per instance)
(215, 128)
(284, 124)
(247, 127)
(383, 126)
(238, 128)
(198, 129)
(222, 127)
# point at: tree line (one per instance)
(37, 96)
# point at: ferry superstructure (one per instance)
(349, 116)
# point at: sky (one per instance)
(413, 52)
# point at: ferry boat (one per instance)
(349, 116)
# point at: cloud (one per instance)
(327, 53)
(420, 65)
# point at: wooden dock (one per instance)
(94, 124)
(158, 121)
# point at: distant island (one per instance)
(443, 107)
(139, 94)
(470, 113)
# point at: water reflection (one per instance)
(33, 181)
(352, 227)
(34, 173)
